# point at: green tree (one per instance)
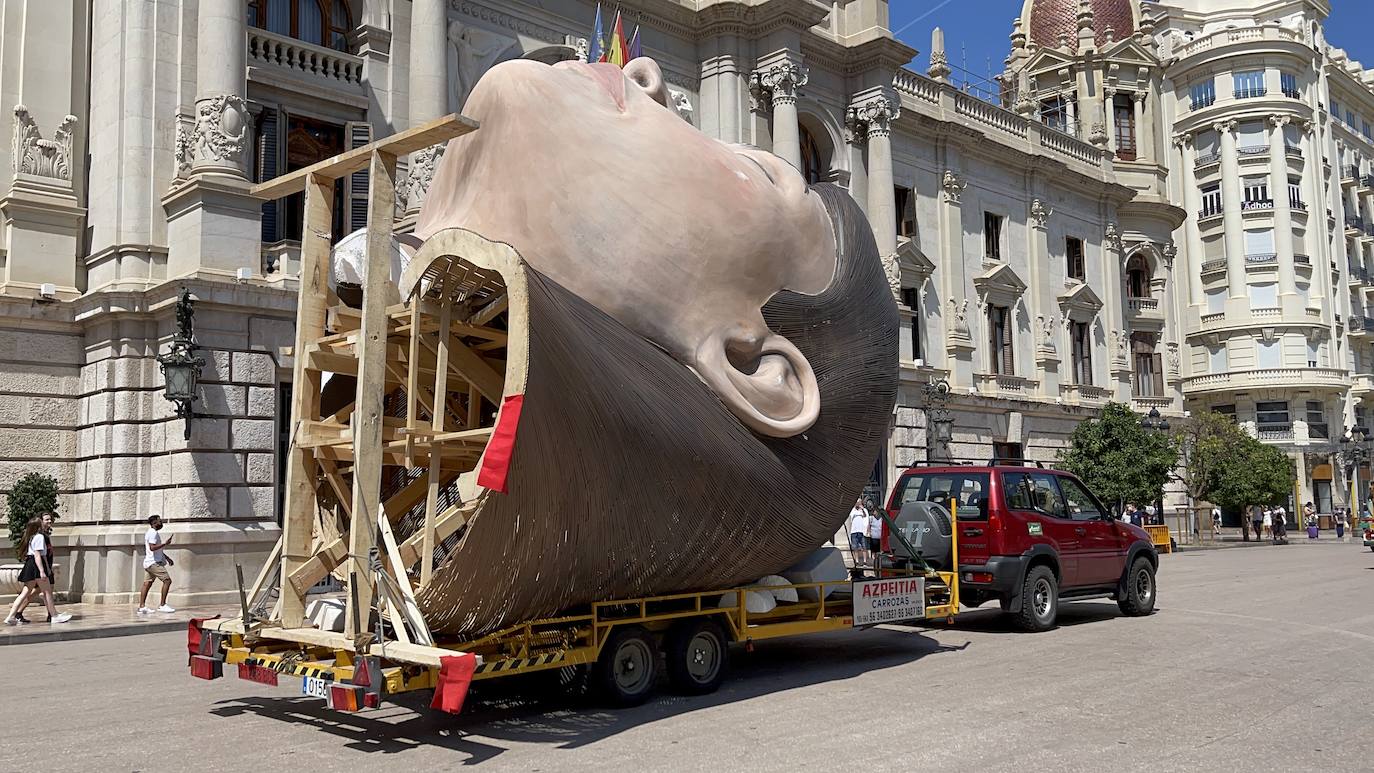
(1251, 473)
(32, 494)
(1118, 459)
(1204, 442)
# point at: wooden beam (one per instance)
(336, 482)
(367, 417)
(299, 508)
(325, 560)
(488, 313)
(445, 524)
(476, 370)
(432, 496)
(400, 144)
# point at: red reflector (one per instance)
(259, 674)
(203, 667)
(982, 576)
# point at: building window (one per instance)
(1259, 246)
(1364, 129)
(1316, 420)
(1123, 123)
(1229, 411)
(1203, 93)
(321, 22)
(905, 203)
(813, 165)
(1250, 139)
(1147, 372)
(1249, 83)
(911, 298)
(1211, 200)
(1289, 83)
(1137, 277)
(1217, 361)
(1273, 417)
(1208, 146)
(1350, 118)
(1073, 251)
(1216, 300)
(1335, 110)
(1269, 354)
(1295, 193)
(1256, 191)
(1264, 296)
(999, 340)
(992, 236)
(1080, 342)
(1054, 113)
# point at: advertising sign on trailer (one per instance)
(889, 601)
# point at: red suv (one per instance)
(1028, 537)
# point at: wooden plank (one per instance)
(325, 560)
(299, 508)
(273, 561)
(432, 496)
(336, 482)
(488, 313)
(431, 133)
(474, 407)
(413, 380)
(398, 569)
(476, 370)
(445, 524)
(367, 417)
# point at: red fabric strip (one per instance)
(496, 460)
(455, 676)
(193, 634)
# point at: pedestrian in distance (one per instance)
(1216, 521)
(875, 532)
(1257, 521)
(1268, 522)
(1129, 515)
(37, 574)
(1150, 514)
(155, 563)
(1339, 520)
(858, 533)
(1280, 531)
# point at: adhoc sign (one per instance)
(889, 601)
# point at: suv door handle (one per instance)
(1080, 531)
(973, 532)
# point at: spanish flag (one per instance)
(617, 53)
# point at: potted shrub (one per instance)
(32, 494)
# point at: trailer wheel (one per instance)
(697, 656)
(627, 669)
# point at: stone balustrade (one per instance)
(1333, 378)
(1239, 35)
(324, 66)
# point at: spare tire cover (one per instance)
(926, 527)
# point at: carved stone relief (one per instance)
(37, 156)
(221, 133)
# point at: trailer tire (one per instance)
(698, 656)
(627, 669)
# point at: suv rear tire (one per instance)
(1039, 600)
(1137, 597)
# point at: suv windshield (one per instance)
(969, 489)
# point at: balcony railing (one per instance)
(1252, 150)
(1292, 94)
(1204, 159)
(1250, 93)
(1354, 223)
(322, 65)
(1292, 150)
(1261, 258)
(1206, 101)
(1142, 304)
(1367, 181)
(1236, 35)
(1297, 205)
(1208, 214)
(1275, 432)
(1266, 377)
(1302, 260)
(1215, 316)
(1350, 172)
(1255, 205)
(1214, 265)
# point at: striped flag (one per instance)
(616, 55)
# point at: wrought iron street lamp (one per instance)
(1355, 453)
(181, 365)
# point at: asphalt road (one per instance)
(1256, 660)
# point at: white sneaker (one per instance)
(62, 618)
(145, 610)
(11, 620)
(165, 608)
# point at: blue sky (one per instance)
(976, 30)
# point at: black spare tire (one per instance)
(926, 527)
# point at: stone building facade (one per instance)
(1032, 245)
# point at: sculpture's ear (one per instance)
(762, 378)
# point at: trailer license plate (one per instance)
(315, 687)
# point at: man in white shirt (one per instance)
(875, 531)
(155, 564)
(858, 533)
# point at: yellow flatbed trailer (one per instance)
(619, 641)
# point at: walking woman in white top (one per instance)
(36, 576)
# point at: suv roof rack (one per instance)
(1001, 462)
(1008, 462)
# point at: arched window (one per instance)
(322, 22)
(813, 165)
(1137, 277)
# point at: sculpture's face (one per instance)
(589, 172)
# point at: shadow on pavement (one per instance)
(535, 709)
(990, 619)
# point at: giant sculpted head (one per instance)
(588, 171)
(712, 356)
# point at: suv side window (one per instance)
(1045, 494)
(1016, 491)
(1082, 507)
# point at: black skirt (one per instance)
(30, 571)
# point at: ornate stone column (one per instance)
(780, 82)
(1283, 213)
(220, 140)
(1143, 147)
(856, 136)
(876, 112)
(1109, 118)
(1230, 209)
(428, 93)
(1192, 202)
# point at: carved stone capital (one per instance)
(1279, 121)
(1222, 127)
(939, 65)
(37, 156)
(1170, 251)
(1183, 139)
(780, 81)
(876, 114)
(220, 138)
(958, 315)
(1039, 213)
(1111, 238)
(952, 185)
(855, 130)
(420, 174)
